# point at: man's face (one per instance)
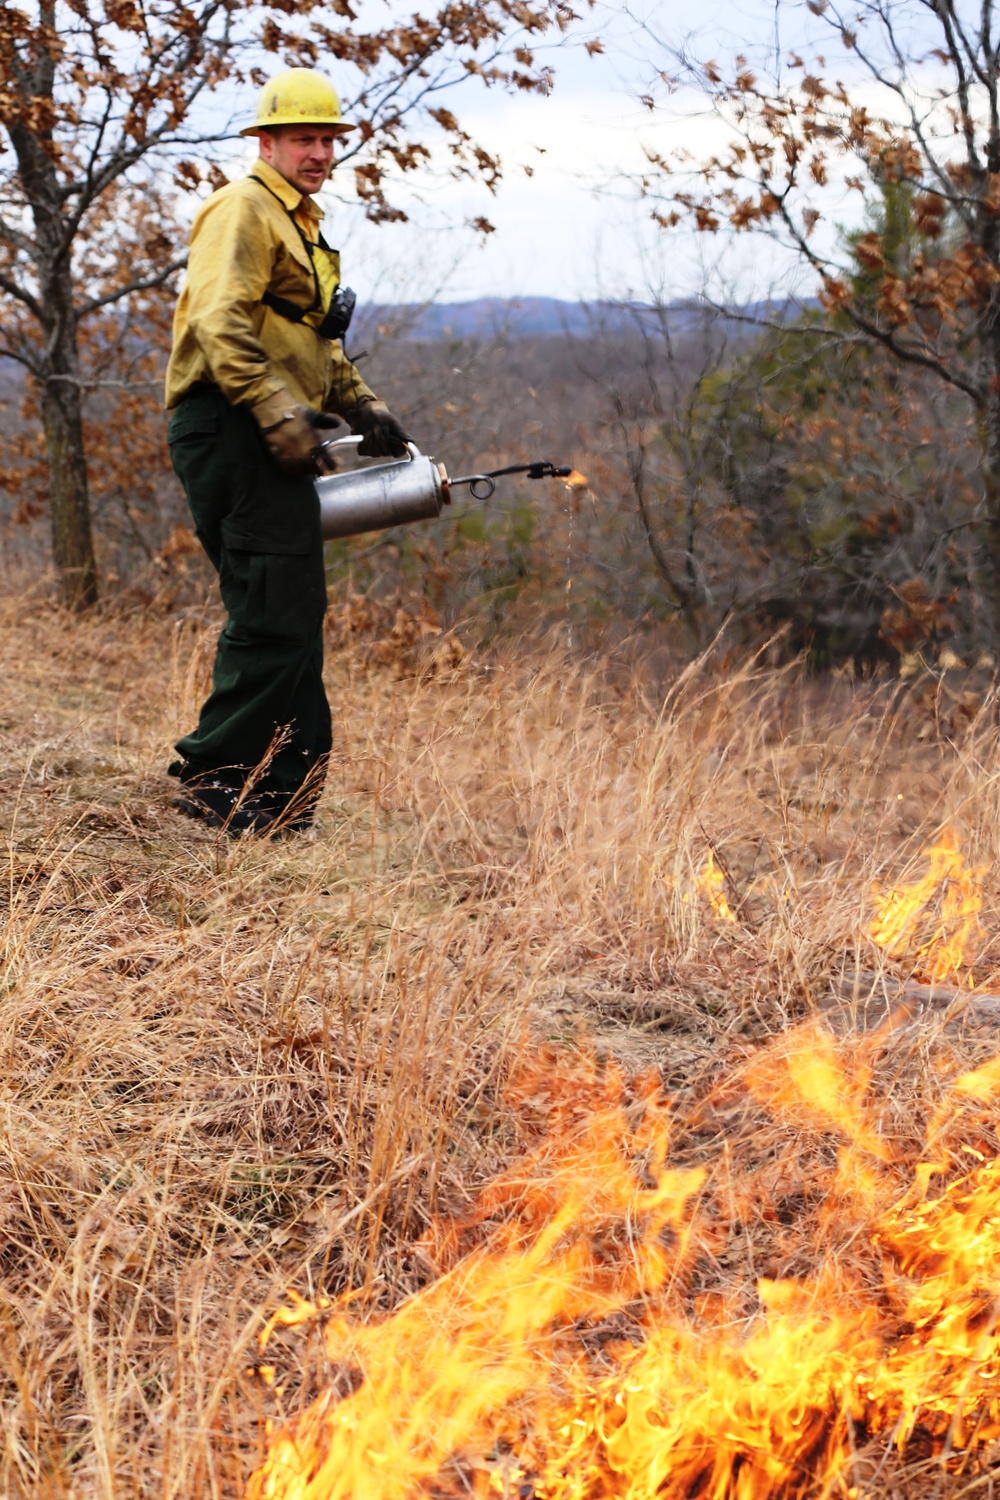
(303, 154)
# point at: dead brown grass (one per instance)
(229, 1068)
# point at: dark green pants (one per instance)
(261, 530)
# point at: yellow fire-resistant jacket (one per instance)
(243, 243)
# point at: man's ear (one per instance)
(265, 144)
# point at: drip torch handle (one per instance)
(354, 438)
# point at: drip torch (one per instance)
(413, 488)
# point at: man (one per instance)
(256, 374)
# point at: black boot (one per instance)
(293, 812)
(220, 798)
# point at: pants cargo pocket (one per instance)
(286, 597)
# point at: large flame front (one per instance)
(571, 1356)
(585, 1337)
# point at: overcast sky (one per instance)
(566, 220)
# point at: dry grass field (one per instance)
(233, 1068)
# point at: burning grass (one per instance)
(543, 900)
(596, 1341)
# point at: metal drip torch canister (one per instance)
(407, 489)
(372, 499)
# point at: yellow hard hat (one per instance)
(299, 96)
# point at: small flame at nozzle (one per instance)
(575, 480)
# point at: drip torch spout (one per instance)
(481, 486)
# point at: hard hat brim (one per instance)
(340, 129)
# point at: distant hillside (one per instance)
(520, 317)
(490, 317)
(546, 317)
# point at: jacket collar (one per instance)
(284, 191)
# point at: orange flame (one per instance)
(576, 481)
(570, 1355)
(711, 882)
(949, 888)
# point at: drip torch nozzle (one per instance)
(545, 470)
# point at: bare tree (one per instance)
(928, 127)
(660, 397)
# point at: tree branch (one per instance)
(143, 284)
(20, 295)
(19, 357)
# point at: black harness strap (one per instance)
(281, 305)
(337, 316)
(286, 309)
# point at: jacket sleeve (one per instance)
(347, 390)
(229, 268)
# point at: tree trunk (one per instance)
(993, 548)
(989, 447)
(988, 237)
(62, 420)
(989, 428)
(59, 377)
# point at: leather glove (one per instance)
(291, 432)
(323, 422)
(383, 435)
